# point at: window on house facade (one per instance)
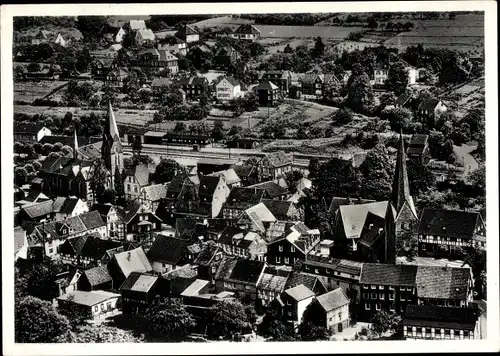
(378, 306)
(292, 249)
(381, 296)
(367, 306)
(286, 260)
(374, 295)
(280, 248)
(278, 260)
(96, 308)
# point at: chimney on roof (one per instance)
(128, 256)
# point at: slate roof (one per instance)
(300, 292)
(176, 184)
(137, 24)
(279, 208)
(132, 261)
(240, 270)
(88, 246)
(193, 81)
(310, 78)
(97, 275)
(88, 298)
(403, 99)
(278, 159)
(185, 31)
(418, 140)
(168, 249)
(141, 173)
(333, 299)
(448, 223)
(247, 29)
(338, 201)
(266, 85)
(234, 82)
(243, 198)
(208, 185)
(194, 288)
(243, 170)
(443, 317)
(185, 272)
(272, 189)
(229, 174)
(228, 233)
(34, 195)
(428, 104)
(27, 128)
(69, 205)
(103, 209)
(442, 282)
(155, 192)
(272, 282)
(91, 220)
(139, 282)
(39, 209)
(390, 275)
(296, 278)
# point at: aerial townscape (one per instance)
(249, 177)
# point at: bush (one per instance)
(342, 117)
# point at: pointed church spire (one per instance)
(111, 127)
(400, 184)
(75, 148)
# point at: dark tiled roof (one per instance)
(442, 282)
(310, 78)
(296, 278)
(208, 185)
(444, 316)
(234, 82)
(226, 237)
(175, 185)
(69, 140)
(69, 205)
(272, 189)
(244, 198)
(428, 104)
(403, 99)
(391, 275)
(168, 249)
(39, 209)
(448, 223)
(241, 270)
(139, 282)
(193, 81)
(185, 31)
(161, 82)
(88, 246)
(266, 85)
(103, 209)
(279, 208)
(246, 29)
(92, 220)
(97, 275)
(141, 173)
(243, 170)
(27, 128)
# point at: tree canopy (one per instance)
(170, 316)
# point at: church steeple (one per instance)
(111, 150)
(75, 148)
(400, 184)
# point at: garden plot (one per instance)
(30, 91)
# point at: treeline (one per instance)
(301, 19)
(162, 22)
(25, 22)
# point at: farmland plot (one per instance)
(30, 91)
(332, 32)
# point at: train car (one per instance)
(185, 140)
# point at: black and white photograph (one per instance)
(228, 177)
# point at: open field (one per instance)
(222, 21)
(333, 32)
(123, 116)
(30, 91)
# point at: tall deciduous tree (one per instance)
(383, 322)
(166, 170)
(228, 319)
(171, 317)
(37, 321)
(397, 78)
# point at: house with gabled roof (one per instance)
(269, 94)
(115, 77)
(232, 179)
(173, 45)
(208, 260)
(296, 242)
(72, 206)
(188, 34)
(151, 195)
(245, 244)
(246, 32)
(122, 264)
(333, 309)
(281, 78)
(227, 89)
(311, 86)
(283, 209)
(157, 60)
(273, 190)
(138, 222)
(95, 278)
(240, 276)
(101, 66)
(42, 36)
(272, 284)
(274, 165)
(225, 56)
(143, 36)
(167, 253)
(93, 305)
(193, 86)
(256, 218)
(447, 232)
(51, 235)
(30, 132)
(136, 179)
(418, 147)
(139, 290)
(239, 200)
(86, 251)
(294, 302)
(136, 25)
(114, 34)
(429, 322)
(109, 214)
